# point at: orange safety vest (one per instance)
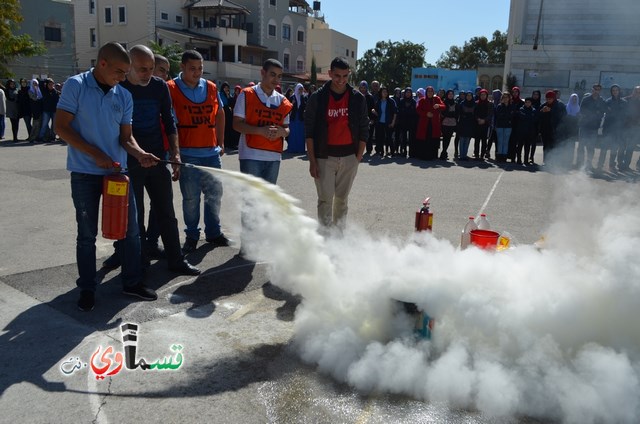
(259, 114)
(196, 121)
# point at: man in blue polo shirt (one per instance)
(94, 118)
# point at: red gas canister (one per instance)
(115, 204)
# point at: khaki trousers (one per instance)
(333, 187)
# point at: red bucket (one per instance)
(484, 239)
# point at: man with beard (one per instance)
(152, 111)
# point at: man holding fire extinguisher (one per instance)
(94, 117)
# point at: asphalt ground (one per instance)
(232, 325)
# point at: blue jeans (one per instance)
(46, 117)
(503, 134)
(267, 170)
(193, 183)
(464, 147)
(86, 191)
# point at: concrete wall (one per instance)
(579, 42)
(84, 22)
(138, 28)
(58, 62)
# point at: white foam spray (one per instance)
(549, 333)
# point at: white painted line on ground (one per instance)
(493, 189)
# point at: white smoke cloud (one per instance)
(549, 333)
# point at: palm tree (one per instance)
(173, 52)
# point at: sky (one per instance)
(437, 24)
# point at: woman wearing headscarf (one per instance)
(496, 95)
(386, 111)
(227, 106)
(484, 116)
(24, 104)
(35, 97)
(449, 121)
(12, 107)
(296, 141)
(407, 121)
(466, 124)
(429, 125)
(551, 116)
(570, 121)
(503, 118)
(516, 103)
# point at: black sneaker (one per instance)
(140, 291)
(190, 245)
(87, 300)
(154, 251)
(220, 241)
(112, 262)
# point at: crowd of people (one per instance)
(34, 102)
(423, 125)
(126, 110)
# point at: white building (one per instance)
(571, 44)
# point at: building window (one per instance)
(164, 16)
(107, 15)
(93, 63)
(249, 27)
(300, 66)
(122, 14)
(272, 30)
(179, 19)
(352, 54)
(286, 32)
(300, 36)
(347, 55)
(52, 34)
(92, 7)
(92, 37)
(272, 3)
(286, 62)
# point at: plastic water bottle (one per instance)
(483, 222)
(465, 239)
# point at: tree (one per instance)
(12, 45)
(476, 51)
(313, 79)
(173, 53)
(390, 63)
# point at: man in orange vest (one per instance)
(261, 116)
(200, 122)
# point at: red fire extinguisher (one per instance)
(115, 204)
(424, 218)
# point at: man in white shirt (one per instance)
(261, 116)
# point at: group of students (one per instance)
(424, 125)
(125, 110)
(33, 101)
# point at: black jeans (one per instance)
(157, 181)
